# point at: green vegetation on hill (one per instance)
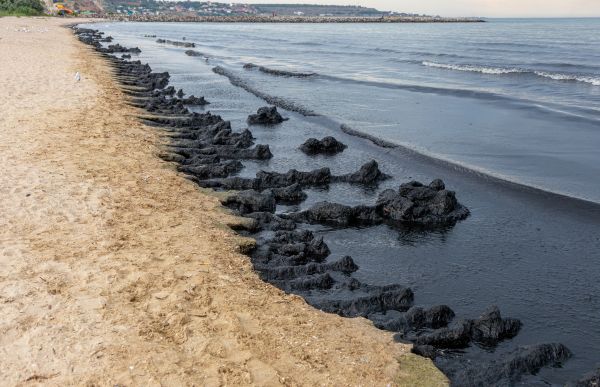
(21, 7)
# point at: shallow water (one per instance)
(518, 99)
(534, 254)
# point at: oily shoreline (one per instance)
(116, 270)
(291, 259)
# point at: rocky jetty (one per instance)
(205, 148)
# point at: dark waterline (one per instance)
(532, 253)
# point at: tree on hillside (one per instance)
(21, 7)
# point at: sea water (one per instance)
(506, 112)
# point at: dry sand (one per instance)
(114, 269)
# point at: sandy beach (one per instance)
(114, 269)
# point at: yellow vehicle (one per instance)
(61, 9)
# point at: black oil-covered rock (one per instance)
(488, 330)
(193, 53)
(327, 145)
(245, 202)
(369, 173)
(428, 351)
(196, 101)
(413, 203)
(267, 115)
(117, 48)
(291, 194)
(422, 204)
(509, 370)
(416, 318)
(176, 43)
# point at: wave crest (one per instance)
(474, 69)
(595, 81)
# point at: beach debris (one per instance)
(77, 77)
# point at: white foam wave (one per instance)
(476, 69)
(501, 70)
(569, 77)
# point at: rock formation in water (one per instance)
(327, 145)
(176, 43)
(266, 116)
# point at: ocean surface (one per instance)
(506, 112)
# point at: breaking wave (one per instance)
(514, 70)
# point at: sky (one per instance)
(486, 8)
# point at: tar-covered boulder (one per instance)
(377, 300)
(292, 194)
(209, 171)
(194, 101)
(193, 53)
(416, 318)
(245, 202)
(267, 115)
(508, 371)
(328, 145)
(488, 330)
(422, 204)
(337, 214)
(368, 173)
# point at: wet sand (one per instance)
(116, 269)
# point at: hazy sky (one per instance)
(490, 8)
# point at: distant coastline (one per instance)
(294, 19)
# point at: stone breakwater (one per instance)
(294, 19)
(290, 256)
